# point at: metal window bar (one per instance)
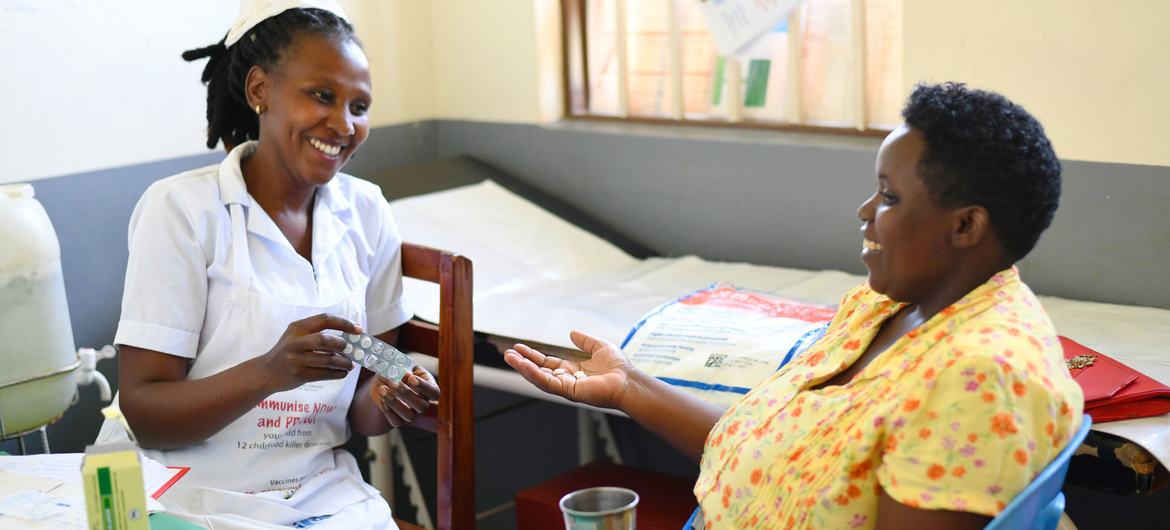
(794, 103)
(794, 111)
(734, 89)
(857, 60)
(622, 61)
(574, 71)
(677, 109)
(584, 34)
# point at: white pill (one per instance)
(559, 371)
(366, 342)
(579, 374)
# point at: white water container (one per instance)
(38, 361)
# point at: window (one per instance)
(834, 65)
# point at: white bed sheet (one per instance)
(537, 277)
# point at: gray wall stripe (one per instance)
(767, 198)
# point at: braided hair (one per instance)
(229, 117)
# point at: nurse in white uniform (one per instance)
(241, 275)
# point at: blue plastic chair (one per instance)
(1040, 505)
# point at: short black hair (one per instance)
(229, 117)
(983, 149)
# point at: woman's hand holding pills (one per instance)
(402, 401)
(306, 352)
(599, 381)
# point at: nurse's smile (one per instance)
(331, 156)
(316, 105)
(329, 150)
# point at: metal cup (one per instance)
(604, 508)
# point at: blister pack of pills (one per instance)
(379, 357)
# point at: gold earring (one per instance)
(259, 109)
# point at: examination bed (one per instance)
(542, 267)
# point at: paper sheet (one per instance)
(60, 476)
(34, 505)
(16, 482)
(65, 467)
(735, 24)
(73, 518)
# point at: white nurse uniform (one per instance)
(211, 278)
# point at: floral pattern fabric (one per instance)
(959, 414)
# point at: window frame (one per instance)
(575, 83)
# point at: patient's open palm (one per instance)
(606, 371)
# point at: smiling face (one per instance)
(315, 106)
(908, 239)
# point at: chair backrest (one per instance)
(1039, 506)
(452, 342)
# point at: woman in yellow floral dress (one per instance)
(939, 389)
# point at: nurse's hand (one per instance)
(306, 353)
(600, 381)
(402, 402)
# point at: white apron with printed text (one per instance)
(280, 463)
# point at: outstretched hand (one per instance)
(600, 381)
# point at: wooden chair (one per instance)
(453, 419)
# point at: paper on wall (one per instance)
(735, 24)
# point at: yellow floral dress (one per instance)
(958, 414)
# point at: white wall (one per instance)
(485, 57)
(397, 38)
(1096, 74)
(93, 85)
(98, 84)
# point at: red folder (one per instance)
(1113, 391)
